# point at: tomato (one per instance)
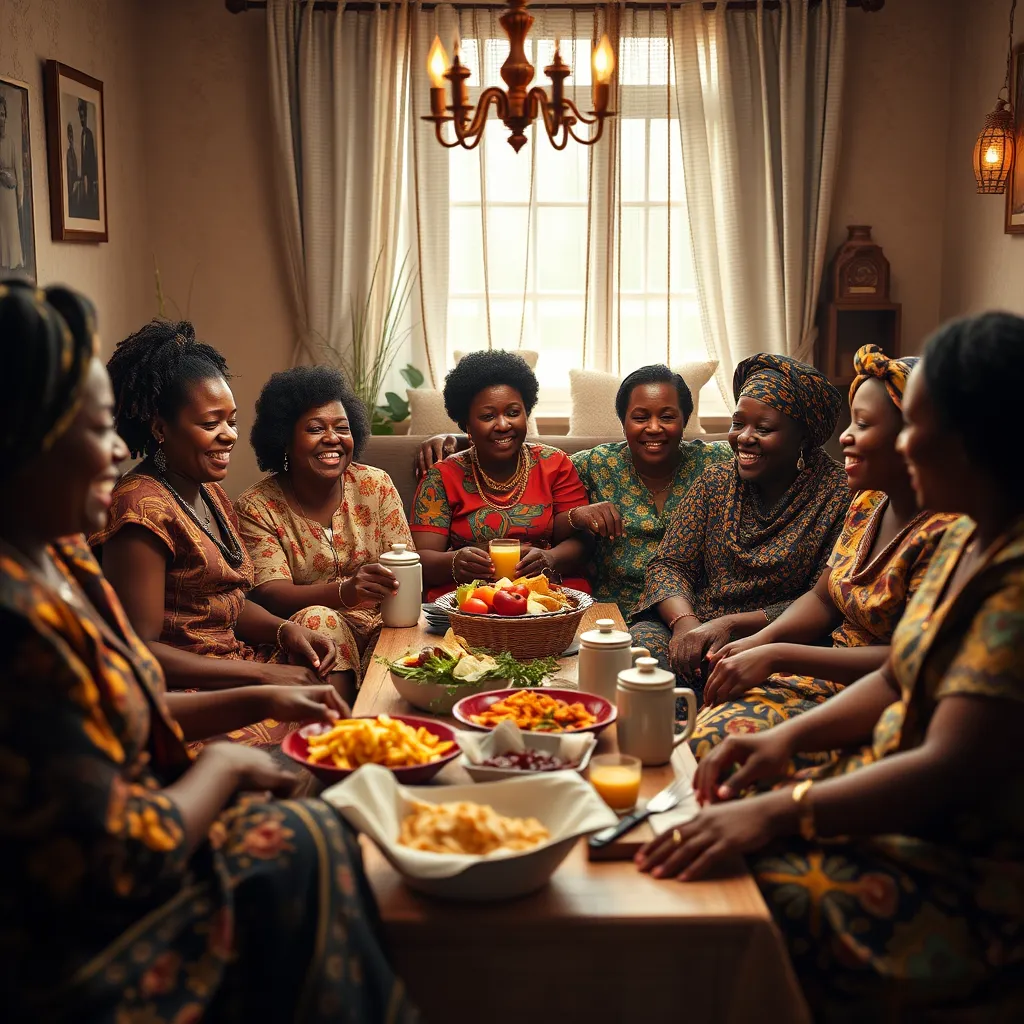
(508, 603)
(473, 606)
(522, 591)
(485, 594)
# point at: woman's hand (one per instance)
(304, 645)
(251, 769)
(472, 564)
(434, 449)
(602, 519)
(319, 703)
(757, 757)
(690, 643)
(747, 643)
(734, 674)
(369, 586)
(714, 835)
(534, 560)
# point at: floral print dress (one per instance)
(106, 916)
(284, 545)
(895, 922)
(871, 594)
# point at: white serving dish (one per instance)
(551, 744)
(372, 801)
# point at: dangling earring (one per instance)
(160, 461)
(286, 462)
(800, 464)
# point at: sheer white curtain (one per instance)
(582, 254)
(759, 95)
(339, 92)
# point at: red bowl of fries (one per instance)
(414, 749)
(537, 709)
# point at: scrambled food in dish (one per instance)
(468, 828)
(527, 595)
(452, 662)
(533, 711)
(529, 761)
(357, 741)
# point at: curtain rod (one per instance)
(241, 6)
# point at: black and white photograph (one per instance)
(78, 193)
(17, 234)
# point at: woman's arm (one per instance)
(807, 620)
(837, 664)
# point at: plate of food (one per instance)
(415, 749)
(488, 841)
(546, 709)
(509, 753)
(435, 677)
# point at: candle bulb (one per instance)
(437, 65)
(604, 67)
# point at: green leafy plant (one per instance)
(396, 408)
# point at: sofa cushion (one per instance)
(593, 399)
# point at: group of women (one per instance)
(869, 651)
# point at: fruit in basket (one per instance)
(473, 606)
(508, 603)
(485, 594)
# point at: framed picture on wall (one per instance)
(17, 232)
(76, 155)
(1015, 185)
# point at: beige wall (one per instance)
(212, 207)
(98, 37)
(892, 165)
(983, 267)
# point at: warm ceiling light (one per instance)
(993, 151)
(518, 105)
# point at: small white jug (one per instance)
(604, 653)
(646, 698)
(403, 607)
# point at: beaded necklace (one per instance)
(233, 554)
(516, 484)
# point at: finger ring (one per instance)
(677, 837)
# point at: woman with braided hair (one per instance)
(171, 548)
(140, 882)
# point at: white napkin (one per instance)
(687, 808)
(372, 801)
(508, 738)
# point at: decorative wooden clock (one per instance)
(857, 310)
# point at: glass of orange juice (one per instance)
(616, 777)
(504, 553)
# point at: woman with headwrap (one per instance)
(878, 563)
(140, 883)
(754, 533)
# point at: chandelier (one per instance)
(993, 151)
(518, 105)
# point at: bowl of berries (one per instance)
(509, 753)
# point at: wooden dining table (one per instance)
(601, 942)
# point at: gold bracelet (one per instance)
(455, 554)
(805, 809)
(341, 596)
(568, 516)
(277, 639)
(682, 615)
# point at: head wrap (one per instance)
(871, 361)
(47, 340)
(794, 388)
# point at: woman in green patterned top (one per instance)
(637, 484)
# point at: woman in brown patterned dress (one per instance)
(171, 549)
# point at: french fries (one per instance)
(468, 828)
(536, 712)
(352, 742)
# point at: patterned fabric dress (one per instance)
(618, 567)
(284, 545)
(203, 594)
(898, 921)
(105, 917)
(725, 555)
(871, 596)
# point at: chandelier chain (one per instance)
(1009, 52)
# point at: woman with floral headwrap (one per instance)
(755, 533)
(142, 883)
(877, 564)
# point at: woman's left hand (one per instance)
(307, 647)
(718, 832)
(534, 561)
(737, 673)
(602, 519)
(701, 641)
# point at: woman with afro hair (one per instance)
(501, 486)
(316, 526)
(171, 548)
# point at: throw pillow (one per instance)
(528, 354)
(593, 400)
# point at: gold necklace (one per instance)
(500, 486)
(512, 499)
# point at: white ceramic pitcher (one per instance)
(646, 699)
(403, 607)
(604, 653)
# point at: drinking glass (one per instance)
(616, 777)
(504, 552)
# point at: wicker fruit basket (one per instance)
(523, 636)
